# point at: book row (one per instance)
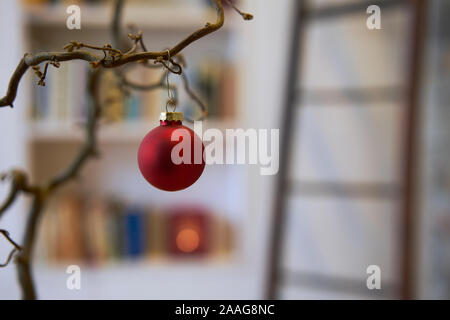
(64, 97)
(97, 231)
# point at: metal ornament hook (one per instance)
(170, 95)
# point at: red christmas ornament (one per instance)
(155, 155)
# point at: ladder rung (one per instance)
(356, 7)
(345, 96)
(336, 284)
(336, 189)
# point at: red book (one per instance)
(188, 231)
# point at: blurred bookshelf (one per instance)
(63, 99)
(120, 132)
(97, 14)
(55, 132)
(95, 231)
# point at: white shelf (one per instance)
(186, 17)
(144, 281)
(121, 132)
(153, 264)
(46, 131)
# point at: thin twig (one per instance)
(246, 16)
(16, 248)
(8, 259)
(6, 235)
(194, 97)
(90, 146)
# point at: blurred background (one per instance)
(364, 173)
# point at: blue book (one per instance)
(133, 105)
(134, 233)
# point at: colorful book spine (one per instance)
(134, 230)
(188, 232)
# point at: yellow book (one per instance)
(111, 97)
(156, 230)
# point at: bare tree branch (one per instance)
(24, 265)
(112, 58)
(119, 60)
(19, 183)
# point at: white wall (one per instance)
(265, 58)
(12, 146)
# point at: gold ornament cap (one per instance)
(171, 116)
